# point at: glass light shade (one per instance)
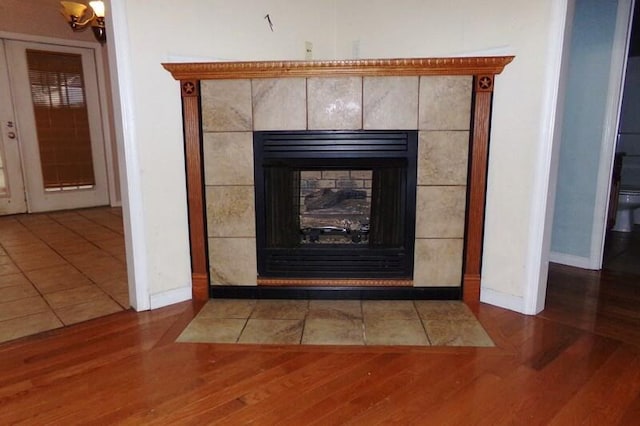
(70, 8)
(98, 8)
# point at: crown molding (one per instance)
(485, 65)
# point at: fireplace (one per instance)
(447, 101)
(335, 204)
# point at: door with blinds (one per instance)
(58, 125)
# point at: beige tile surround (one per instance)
(438, 107)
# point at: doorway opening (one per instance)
(622, 244)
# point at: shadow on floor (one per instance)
(622, 252)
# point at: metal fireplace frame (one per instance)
(378, 150)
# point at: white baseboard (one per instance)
(571, 260)
(502, 300)
(170, 297)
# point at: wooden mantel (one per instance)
(490, 65)
(482, 69)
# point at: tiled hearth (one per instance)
(337, 322)
(438, 107)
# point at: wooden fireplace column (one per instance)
(482, 69)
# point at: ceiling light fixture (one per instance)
(80, 17)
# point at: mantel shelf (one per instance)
(339, 68)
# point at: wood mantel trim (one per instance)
(477, 186)
(489, 65)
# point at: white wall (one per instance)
(523, 103)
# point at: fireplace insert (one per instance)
(335, 204)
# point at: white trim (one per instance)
(571, 260)
(170, 297)
(503, 300)
(106, 127)
(535, 286)
(130, 173)
(617, 73)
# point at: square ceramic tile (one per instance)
(390, 102)
(226, 105)
(103, 274)
(457, 333)
(443, 158)
(213, 330)
(39, 260)
(8, 268)
(333, 331)
(384, 331)
(279, 104)
(27, 325)
(440, 211)
(74, 296)
(438, 263)
(444, 310)
(227, 308)
(445, 103)
(335, 103)
(22, 307)
(88, 310)
(122, 298)
(280, 309)
(7, 294)
(272, 331)
(228, 158)
(231, 211)
(335, 309)
(12, 280)
(116, 285)
(233, 261)
(389, 310)
(57, 278)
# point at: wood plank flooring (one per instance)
(576, 363)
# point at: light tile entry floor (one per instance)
(60, 268)
(336, 322)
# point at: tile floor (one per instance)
(336, 322)
(60, 268)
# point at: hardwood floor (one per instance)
(576, 363)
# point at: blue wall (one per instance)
(583, 123)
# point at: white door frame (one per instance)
(610, 132)
(112, 174)
(130, 173)
(14, 201)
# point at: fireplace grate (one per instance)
(335, 264)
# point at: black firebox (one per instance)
(335, 204)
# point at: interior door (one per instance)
(56, 102)
(12, 196)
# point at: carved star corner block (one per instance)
(484, 83)
(189, 88)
